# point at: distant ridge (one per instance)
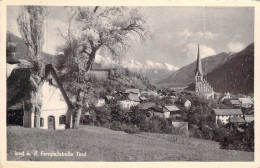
(22, 50)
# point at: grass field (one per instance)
(101, 144)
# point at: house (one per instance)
(249, 118)
(127, 101)
(134, 99)
(151, 93)
(108, 99)
(143, 99)
(246, 102)
(143, 93)
(226, 96)
(236, 121)
(224, 115)
(100, 102)
(235, 103)
(172, 108)
(133, 91)
(55, 112)
(153, 109)
(185, 102)
(56, 106)
(232, 103)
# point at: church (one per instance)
(202, 87)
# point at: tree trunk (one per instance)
(38, 105)
(80, 93)
(78, 108)
(29, 108)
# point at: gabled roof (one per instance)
(245, 100)
(235, 102)
(236, 120)
(249, 118)
(143, 92)
(172, 108)
(227, 112)
(151, 92)
(146, 106)
(109, 97)
(122, 97)
(133, 98)
(136, 91)
(142, 98)
(50, 70)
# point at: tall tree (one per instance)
(31, 21)
(108, 30)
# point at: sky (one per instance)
(177, 31)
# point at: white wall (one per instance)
(53, 104)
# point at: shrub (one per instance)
(131, 129)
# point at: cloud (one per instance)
(235, 46)
(150, 64)
(171, 67)
(186, 35)
(191, 50)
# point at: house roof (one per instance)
(132, 91)
(121, 97)
(219, 112)
(109, 97)
(249, 118)
(142, 98)
(50, 70)
(245, 100)
(172, 108)
(151, 92)
(19, 86)
(145, 106)
(133, 98)
(143, 92)
(236, 120)
(235, 102)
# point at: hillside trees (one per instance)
(107, 30)
(31, 21)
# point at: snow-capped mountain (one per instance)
(153, 70)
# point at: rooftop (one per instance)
(245, 100)
(145, 106)
(236, 120)
(219, 112)
(172, 108)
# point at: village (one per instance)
(169, 103)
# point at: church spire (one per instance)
(198, 70)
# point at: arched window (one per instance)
(62, 119)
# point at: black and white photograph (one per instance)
(130, 83)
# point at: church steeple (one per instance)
(198, 71)
(199, 66)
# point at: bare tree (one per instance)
(30, 21)
(110, 30)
